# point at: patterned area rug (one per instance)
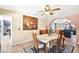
(61, 50)
(32, 50)
(28, 50)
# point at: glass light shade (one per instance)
(47, 8)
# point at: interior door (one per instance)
(7, 18)
(0, 31)
(0, 35)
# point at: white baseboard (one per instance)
(21, 42)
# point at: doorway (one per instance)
(5, 32)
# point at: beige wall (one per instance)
(20, 36)
(26, 35)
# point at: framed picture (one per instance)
(30, 23)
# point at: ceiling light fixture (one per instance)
(48, 10)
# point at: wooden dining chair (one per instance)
(59, 39)
(35, 41)
(56, 48)
(37, 44)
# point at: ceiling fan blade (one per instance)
(55, 9)
(40, 13)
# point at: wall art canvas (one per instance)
(30, 23)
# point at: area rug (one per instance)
(28, 50)
(32, 50)
(62, 50)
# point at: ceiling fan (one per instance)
(48, 10)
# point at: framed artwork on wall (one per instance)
(30, 23)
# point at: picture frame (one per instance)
(30, 23)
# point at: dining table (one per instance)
(46, 38)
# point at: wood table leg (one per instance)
(46, 48)
(47, 45)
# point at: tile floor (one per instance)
(7, 48)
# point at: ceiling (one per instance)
(31, 10)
